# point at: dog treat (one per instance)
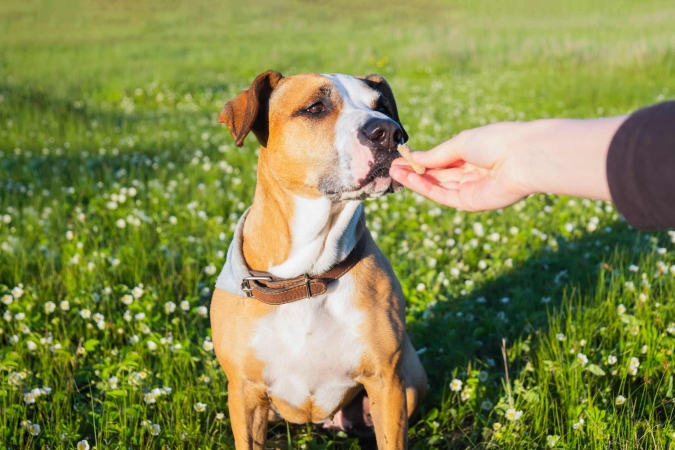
(404, 150)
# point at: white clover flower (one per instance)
(154, 429)
(137, 292)
(512, 414)
(70, 235)
(139, 316)
(14, 339)
(7, 299)
(629, 285)
(202, 311)
(49, 307)
(220, 416)
(127, 299)
(421, 287)
(200, 407)
(173, 220)
(634, 362)
(644, 349)
(478, 229)
(210, 269)
(83, 445)
(611, 360)
(98, 317)
(17, 292)
(115, 262)
(482, 265)
(621, 309)
(120, 223)
(633, 268)
(65, 305)
(560, 337)
(207, 345)
(128, 316)
(582, 342)
(19, 316)
(111, 205)
(7, 316)
(85, 313)
(134, 339)
(620, 400)
(152, 346)
(32, 346)
(456, 385)
(483, 376)
(34, 429)
(582, 359)
(169, 307)
(185, 305)
(112, 381)
(149, 398)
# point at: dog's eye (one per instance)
(316, 108)
(382, 109)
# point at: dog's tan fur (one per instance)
(293, 158)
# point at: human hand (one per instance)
(477, 170)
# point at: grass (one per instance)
(119, 192)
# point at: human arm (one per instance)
(496, 165)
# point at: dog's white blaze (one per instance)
(322, 234)
(358, 100)
(311, 348)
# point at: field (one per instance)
(119, 193)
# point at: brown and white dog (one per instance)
(327, 144)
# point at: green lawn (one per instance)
(119, 193)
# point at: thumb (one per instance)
(442, 155)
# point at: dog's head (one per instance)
(328, 135)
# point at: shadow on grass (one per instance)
(514, 305)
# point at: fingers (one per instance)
(443, 155)
(427, 187)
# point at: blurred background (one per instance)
(119, 193)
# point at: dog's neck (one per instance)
(290, 235)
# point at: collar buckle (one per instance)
(246, 284)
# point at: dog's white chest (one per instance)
(311, 347)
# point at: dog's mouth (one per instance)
(380, 169)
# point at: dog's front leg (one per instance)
(249, 407)
(389, 410)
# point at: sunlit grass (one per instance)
(119, 194)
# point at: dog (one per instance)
(308, 318)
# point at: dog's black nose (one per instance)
(382, 134)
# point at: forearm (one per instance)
(568, 156)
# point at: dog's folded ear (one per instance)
(249, 110)
(378, 83)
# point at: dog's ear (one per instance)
(378, 83)
(249, 110)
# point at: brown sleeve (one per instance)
(641, 167)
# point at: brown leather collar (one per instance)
(269, 289)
